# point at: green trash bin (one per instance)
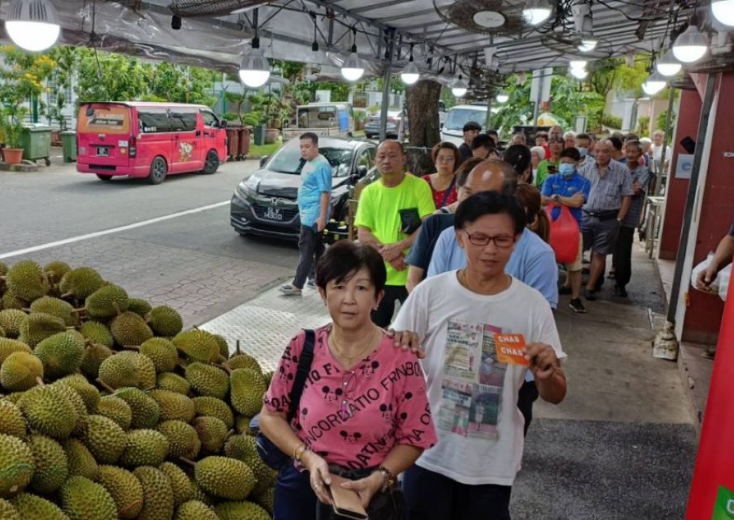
(68, 142)
(36, 143)
(260, 134)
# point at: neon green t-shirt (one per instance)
(543, 172)
(378, 211)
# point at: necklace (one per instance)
(465, 280)
(338, 351)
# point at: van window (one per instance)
(210, 120)
(153, 120)
(104, 119)
(316, 117)
(458, 117)
(183, 121)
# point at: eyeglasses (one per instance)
(448, 158)
(480, 239)
(349, 385)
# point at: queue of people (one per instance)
(467, 253)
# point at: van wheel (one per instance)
(158, 171)
(211, 165)
(105, 178)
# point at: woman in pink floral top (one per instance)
(363, 413)
(446, 158)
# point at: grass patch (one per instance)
(256, 152)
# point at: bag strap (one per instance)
(304, 367)
(448, 191)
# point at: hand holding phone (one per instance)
(346, 503)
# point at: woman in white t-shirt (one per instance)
(473, 396)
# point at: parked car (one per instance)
(372, 128)
(453, 128)
(151, 140)
(323, 119)
(266, 203)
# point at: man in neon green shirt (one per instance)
(550, 165)
(389, 216)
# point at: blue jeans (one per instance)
(294, 498)
(434, 496)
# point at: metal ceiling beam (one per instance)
(381, 5)
(409, 15)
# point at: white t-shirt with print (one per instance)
(473, 398)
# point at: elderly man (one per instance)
(389, 216)
(660, 166)
(557, 132)
(569, 139)
(605, 209)
(583, 145)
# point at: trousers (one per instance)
(310, 247)
(382, 317)
(623, 256)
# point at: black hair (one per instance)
(571, 153)
(342, 261)
(310, 135)
(402, 148)
(635, 143)
(584, 136)
(462, 173)
(616, 142)
(519, 156)
(493, 132)
(472, 126)
(483, 141)
(490, 203)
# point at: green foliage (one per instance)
(571, 98)
(643, 127)
(517, 111)
(611, 121)
(613, 73)
(660, 122)
(290, 70)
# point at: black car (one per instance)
(266, 203)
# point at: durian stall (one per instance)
(110, 410)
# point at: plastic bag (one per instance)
(714, 286)
(564, 234)
(724, 278)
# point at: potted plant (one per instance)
(13, 133)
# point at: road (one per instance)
(193, 261)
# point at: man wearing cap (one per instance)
(471, 130)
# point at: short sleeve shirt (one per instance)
(354, 418)
(640, 175)
(442, 198)
(378, 210)
(315, 180)
(567, 187)
(422, 250)
(465, 152)
(545, 168)
(607, 192)
(731, 231)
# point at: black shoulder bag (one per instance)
(269, 452)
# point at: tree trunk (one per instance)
(422, 101)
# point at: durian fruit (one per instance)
(118, 372)
(212, 433)
(61, 354)
(16, 466)
(77, 403)
(223, 345)
(55, 271)
(10, 321)
(94, 355)
(80, 283)
(55, 307)
(139, 307)
(33, 507)
(198, 345)
(224, 477)
(241, 511)
(9, 512)
(195, 510)
(181, 486)
(201, 495)
(52, 465)
(213, 407)
(242, 425)
(208, 380)
(145, 410)
(9, 301)
(162, 353)
(164, 321)
(144, 448)
(268, 378)
(157, 493)
(129, 329)
(8, 346)
(174, 383)
(174, 406)
(117, 410)
(244, 361)
(105, 439)
(82, 499)
(2, 332)
(26, 281)
(20, 371)
(38, 326)
(144, 368)
(81, 461)
(244, 448)
(88, 393)
(11, 420)
(247, 391)
(125, 490)
(97, 332)
(49, 411)
(106, 302)
(265, 499)
(183, 440)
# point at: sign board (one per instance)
(323, 96)
(684, 167)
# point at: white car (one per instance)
(453, 129)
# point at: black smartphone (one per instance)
(688, 144)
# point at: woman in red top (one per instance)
(363, 414)
(446, 158)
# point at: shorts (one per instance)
(577, 265)
(600, 235)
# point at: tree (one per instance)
(110, 77)
(66, 58)
(422, 102)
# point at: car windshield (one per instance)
(458, 117)
(288, 160)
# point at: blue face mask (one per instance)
(583, 152)
(566, 169)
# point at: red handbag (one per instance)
(564, 234)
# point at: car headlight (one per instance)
(246, 190)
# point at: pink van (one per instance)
(149, 140)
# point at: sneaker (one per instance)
(620, 291)
(311, 283)
(589, 295)
(289, 290)
(564, 290)
(577, 306)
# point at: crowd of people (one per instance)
(460, 269)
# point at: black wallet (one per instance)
(410, 220)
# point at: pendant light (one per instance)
(587, 44)
(410, 74)
(536, 12)
(667, 65)
(692, 44)
(33, 25)
(353, 67)
(579, 64)
(579, 73)
(255, 69)
(459, 87)
(723, 11)
(503, 97)
(654, 84)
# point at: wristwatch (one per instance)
(389, 479)
(557, 197)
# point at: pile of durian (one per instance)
(108, 409)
